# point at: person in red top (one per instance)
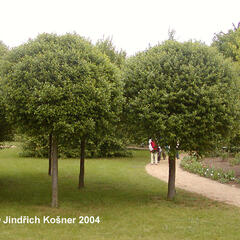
(153, 147)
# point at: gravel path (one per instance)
(194, 183)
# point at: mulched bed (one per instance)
(218, 163)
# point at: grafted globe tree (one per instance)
(63, 86)
(182, 93)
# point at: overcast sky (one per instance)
(132, 24)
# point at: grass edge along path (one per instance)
(197, 184)
(130, 203)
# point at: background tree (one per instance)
(107, 47)
(229, 45)
(6, 132)
(180, 92)
(3, 49)
(171, 34)
(64, 86)
(115, 142)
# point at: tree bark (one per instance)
(50, 155)
(171, 177)
(82, 161)
(54, 173)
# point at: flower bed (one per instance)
(194, 165)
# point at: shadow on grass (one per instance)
(36, 190)
(108, 182)
(28, 188)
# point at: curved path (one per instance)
(194, 183)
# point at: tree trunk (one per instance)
(54, 173)
(50, 155)
(82, 160)
(171, 177)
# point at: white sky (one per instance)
(133, 24)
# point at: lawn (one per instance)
(130, 204)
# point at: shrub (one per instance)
(224, 156)
(236, 160)
(38, 147)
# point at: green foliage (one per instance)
(234, 143)
(182, 92)
(224, 156)
(107, 47)
(62, 85)
(3, 49)
(114, 144)
(229, 43)
(235, 160)
(110, 146)
(6, 132)
(193, 165)
(37, 146)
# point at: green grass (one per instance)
(130, 203)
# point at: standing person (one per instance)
(154, 151)
(163, 153)
(149, 144)
(177, 153)
(159, 153)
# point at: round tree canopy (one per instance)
(181, 92)
(61, 84)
